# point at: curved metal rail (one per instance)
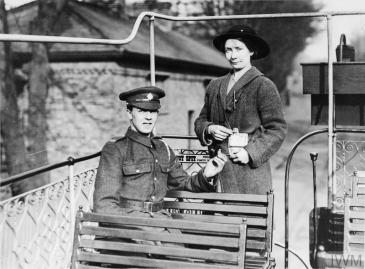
(69, 162)
(287, 171)
(153, 15)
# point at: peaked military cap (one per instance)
(253, 42)
(147, 97)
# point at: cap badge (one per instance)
(149, 96)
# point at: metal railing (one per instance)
(152, 16)
(36, 228)
(70, 162)
(343, 163)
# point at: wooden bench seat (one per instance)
(231, 208)
(180, 248)
(354, 229)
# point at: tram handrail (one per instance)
(46, 168)
(70, 161)
(154, 15)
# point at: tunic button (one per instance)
(137, 170)
(153, 197)
(155, 179)
(156, 161)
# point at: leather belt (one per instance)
(142, 205)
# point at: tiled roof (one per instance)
(89, 21)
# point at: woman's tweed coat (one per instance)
(258, 112)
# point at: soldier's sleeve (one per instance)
(178, 179)
(268, 138)
(108, 181)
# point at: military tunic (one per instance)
(140, 168)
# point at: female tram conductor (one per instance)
(248, 101)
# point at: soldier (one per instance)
(136, 170)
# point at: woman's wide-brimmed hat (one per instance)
(254, 43)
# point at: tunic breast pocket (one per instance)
(135, 170)
(165, 167)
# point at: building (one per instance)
(83, 110)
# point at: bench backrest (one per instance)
(228, 208)
(354, 226)
(169, 243)
(358, 185)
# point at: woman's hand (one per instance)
(215, 165)
(219, 132)
(240, 155)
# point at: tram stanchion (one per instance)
(314, 157)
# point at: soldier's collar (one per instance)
(140, 138)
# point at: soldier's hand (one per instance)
(215, 165)
(219, 132)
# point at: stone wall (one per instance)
(84, 111)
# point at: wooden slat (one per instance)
(165, 237)
(252, 234)
(359, 239)
(256, 233)
(251, 221)
(255, 244)
(256, 262)
(76, 240)
(242, 246)
(357, 214)
(83, 266)
(146, 262)
(156, 222)
(258, 266)
(162, 250)
(356, 202)
(233, 197)
(270, 222)
(356, 252)
(239, 209)
(356, 227)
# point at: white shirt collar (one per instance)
(236, 75)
